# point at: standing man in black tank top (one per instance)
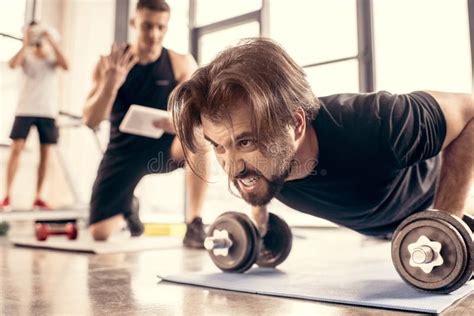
(144, 73)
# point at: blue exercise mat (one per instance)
(363, 278)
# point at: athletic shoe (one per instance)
(134, 224)
(41, 205)
(195, 234)
(5, 205)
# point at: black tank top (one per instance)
(148, 85)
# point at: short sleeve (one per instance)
(413, 125)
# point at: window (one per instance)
(210, 11)
(212, 43)
(315, 31)
(334, 78)
(422, 45)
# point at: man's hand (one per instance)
(45, 34)
(260, 217)
(114, 68)
(27, 36)
(165, 124)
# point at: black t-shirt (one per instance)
(148, 85)
(378, 160)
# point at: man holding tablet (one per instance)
(144, 74)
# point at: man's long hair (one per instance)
(258, 72)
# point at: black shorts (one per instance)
(119, 174)
(47, 129)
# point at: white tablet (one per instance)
(139, 121)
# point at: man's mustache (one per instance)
(247, 172)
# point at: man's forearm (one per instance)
(98, 106)
(18, 58)
(260, 216)
(60, 59)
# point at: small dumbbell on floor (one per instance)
(433, 251)
(234, 242)
(44, 230)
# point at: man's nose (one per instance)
(234, 167)
(155, 33)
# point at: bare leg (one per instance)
(43, 165)
(12, 166)
(196, 184)
(456, 173)
(102, 230)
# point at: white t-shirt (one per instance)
(38, 96)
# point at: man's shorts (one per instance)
(47, 129)
(119, 174)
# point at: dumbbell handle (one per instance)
(423, 254)
(211, 243)
(58, 232)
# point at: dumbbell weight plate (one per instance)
(456, 251)
(254, 235)
(71, 231)
(243, 252)
(41, 231)
(277, 243)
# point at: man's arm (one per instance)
(189, 67)
(458, 151)
(184, 66)
(19, 57)
(60, 59)
(109, 74)
(260, 216)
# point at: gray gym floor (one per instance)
(42, 282)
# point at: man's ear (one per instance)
(131, 22)
(300, 123)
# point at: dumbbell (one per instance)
(433, 251)
(234, 242)
(44, 230)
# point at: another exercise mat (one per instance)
(117, 244)
(36, 215)
(364, 277)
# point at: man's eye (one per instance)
(245, 143)
(216, 147)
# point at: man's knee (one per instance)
(102, 230)
(17, 148)
(98, 232)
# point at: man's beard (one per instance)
(268, 188)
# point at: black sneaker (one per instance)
(135, 225)
(195, 234)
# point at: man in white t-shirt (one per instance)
(38, 57)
